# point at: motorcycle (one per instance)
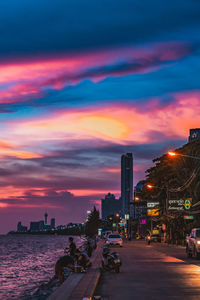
(110, 260)
(148, 240)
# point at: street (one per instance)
(155, 271)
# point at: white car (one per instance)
(114, 239)
(193, 243)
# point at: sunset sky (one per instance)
(83, 82)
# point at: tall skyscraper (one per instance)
(126, 182)
(45, 218)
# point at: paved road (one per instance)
(152, 272)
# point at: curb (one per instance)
(90, 295)
(81, 286)
(85, 289)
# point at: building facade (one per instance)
(126, 182)
(110, 206)
(21, 228)
(194, 134)
(37, 226)
(53, 223)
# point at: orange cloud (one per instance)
(123, 123)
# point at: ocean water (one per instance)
(27, 261)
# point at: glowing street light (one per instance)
(136, 198)
(150, 186)
(166, 189)
(171, 153)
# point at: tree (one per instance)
(180, 177)
(93, 223)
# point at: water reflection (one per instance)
(27, 261)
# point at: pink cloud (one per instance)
(31, 78)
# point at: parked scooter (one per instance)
(110, 260)
(148, 239)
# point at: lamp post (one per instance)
(171, 153)
(166, 188)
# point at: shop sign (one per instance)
(152, 204)
(176, 205)
(153, 212)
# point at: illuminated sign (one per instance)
(155, 231)
(179, 204)
(189, 217)
(176, 204)
(152, 204)
(153, 212)
(188, 203)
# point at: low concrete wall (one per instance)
(81, 285)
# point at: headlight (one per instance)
(198, 242)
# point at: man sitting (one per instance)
(63, 262)
(82, 259)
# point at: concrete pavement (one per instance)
(151, 272)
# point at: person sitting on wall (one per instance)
(82, 259)
(63, 262)
(72, 247)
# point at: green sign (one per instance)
(189, 217)
(114, 224)
(188, 203)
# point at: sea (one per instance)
(27, 261)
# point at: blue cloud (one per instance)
(49, 26)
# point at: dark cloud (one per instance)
(63, 206)
(131, 66)
(32, 27)
(77, 168)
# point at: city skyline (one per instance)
(83, 82)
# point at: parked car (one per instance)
(193, 243)
(114, 239)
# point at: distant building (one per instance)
(21, 228)
(110, 206)
(45, 218)
(126, 182)
(53, 223)
(139, 204)
(37, 226)
(194, 134)
(139, 187)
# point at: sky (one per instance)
(83, 82)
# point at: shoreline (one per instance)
(45, 290)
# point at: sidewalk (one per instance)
(79, 285)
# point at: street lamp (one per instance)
(166, 188)
(171, 153)
(150, 186)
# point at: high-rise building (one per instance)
(194, 134)
(37, 226)
(110, 206)
(126, 182)
(45, 218)
(53, 223)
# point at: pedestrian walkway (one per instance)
(148, 273)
